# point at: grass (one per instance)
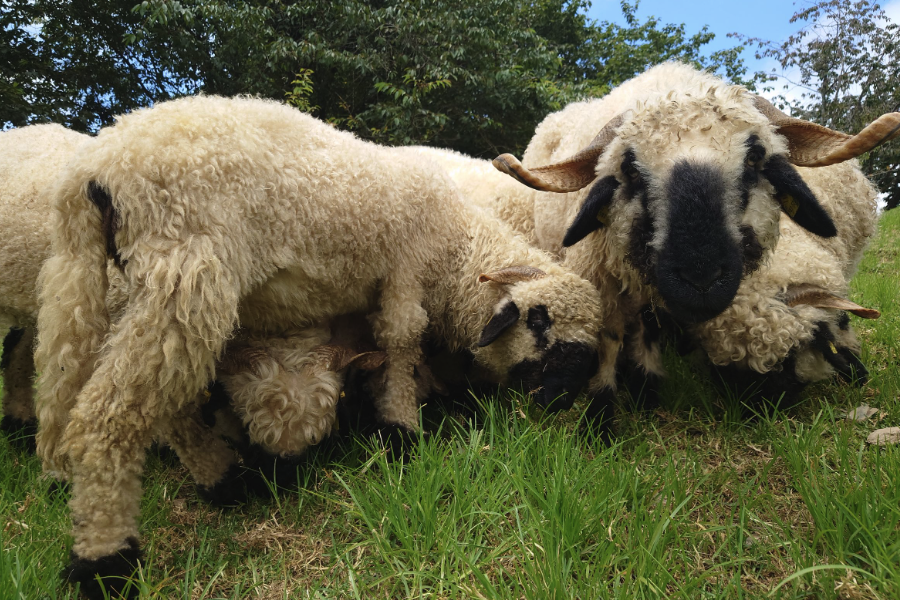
(692, 502)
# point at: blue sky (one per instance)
(767, 19)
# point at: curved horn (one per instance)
(337, 358)
(512, 275)
(813, 145)
(814, 295)
(243, 358)
(569, 175)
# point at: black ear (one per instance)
(592, 215)
(499, 323)
(796, 199)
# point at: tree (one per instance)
(846, 62)
(71, 62)
(472, 75)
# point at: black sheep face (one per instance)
(549, 346)
(693, 215)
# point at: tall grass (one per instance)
(694, 501)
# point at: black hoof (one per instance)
(20, 433)
(399, 441)
(114, 572)
(598, 416)
(231, 490)
(59, 488)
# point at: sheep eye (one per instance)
(628, 168)
(538, 318)
(755, 153)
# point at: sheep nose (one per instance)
(701, 279)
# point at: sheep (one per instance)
(225, 211)
(679, 194)
(29, 159)
(788, 325)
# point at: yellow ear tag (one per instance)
(833, 349)
(788, 203)
(207, 393)
(603, 216)
(343, 395)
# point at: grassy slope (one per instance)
(692, 503)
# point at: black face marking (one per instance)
(633, 180)
(844, 362)
(796, 199)
(700, 267)
(594, 211)
(500, 322)
(753, 162)
(538, 323)
(109, 220)
(843, 321)
(10, 341)
(640, 254)
(751, 249)
(558, 376)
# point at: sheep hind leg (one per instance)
(134, 391)
(17, 364)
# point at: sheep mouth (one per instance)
(558, 377)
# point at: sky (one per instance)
(767, 19)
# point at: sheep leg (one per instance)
(398, 330)
(601, 394)
(208, 457)
(158, 357)
(644, 369)
(17, 363)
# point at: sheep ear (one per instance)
(333, 357)
(813, 145)
(500, 322)
(594, 212)
(796, 199)
(368, 361)
(813, 295)
(512, 275)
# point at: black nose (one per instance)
(701, 279)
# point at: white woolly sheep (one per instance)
(679, 195)
(237, 210)
(29, 159)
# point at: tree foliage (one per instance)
(846, 64)
(472, 75)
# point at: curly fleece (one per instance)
(246, 211)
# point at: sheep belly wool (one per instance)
(226, 211)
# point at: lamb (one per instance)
(679, 194)
(225, 211)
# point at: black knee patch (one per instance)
(10, 341)
(114, 571)
(19, 433)
(599, 415)
(229, 491)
